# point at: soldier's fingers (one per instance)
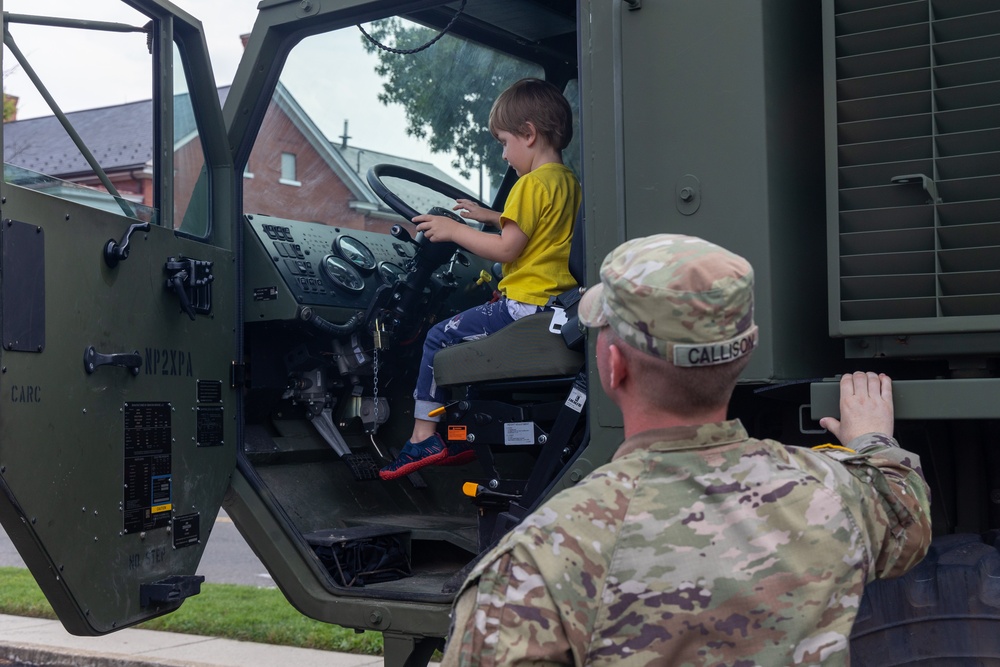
(846, 384)
(874, 384)
(860, 382)
(885, 387)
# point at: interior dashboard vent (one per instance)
(913, 164)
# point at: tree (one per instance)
(9, 107)
(9, 101)
(447, 91)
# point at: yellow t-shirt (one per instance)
(543, 203)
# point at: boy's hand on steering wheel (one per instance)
(436, 228)
(473, 211)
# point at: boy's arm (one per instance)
(503, 247)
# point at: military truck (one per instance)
(163, 358)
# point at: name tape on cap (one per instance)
(712, 354)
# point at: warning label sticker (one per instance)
(519, 433)
(577, 399)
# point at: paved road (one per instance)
(227, 559)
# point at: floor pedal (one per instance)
(362, 466)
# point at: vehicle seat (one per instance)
(525, 348)
(522, 349)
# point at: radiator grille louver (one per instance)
(917, 95)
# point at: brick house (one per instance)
(293, 170)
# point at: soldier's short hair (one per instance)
(538, 102)
(680, 390)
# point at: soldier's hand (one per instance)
(865, 407)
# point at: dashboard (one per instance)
(327, 266)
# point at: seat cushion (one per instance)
(523, 349)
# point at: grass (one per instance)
(245, 613)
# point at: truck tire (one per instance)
(946, 611)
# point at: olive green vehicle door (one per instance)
(118, 421)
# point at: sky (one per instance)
(83, 75)
(223, 21)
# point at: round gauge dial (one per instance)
(391, 273)
(342, 274)
(355, 252)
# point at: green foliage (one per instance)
(9, 107)
(446, 91)
(20, 595)
(244, 613)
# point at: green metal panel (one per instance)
(112, 474)
(721, 98)
(974, 398)
(65, 461)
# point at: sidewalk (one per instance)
(43, 642)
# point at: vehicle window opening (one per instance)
(104, 155)
(131, 205)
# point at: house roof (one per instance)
(351, 163)
(419, 197)
(120, 138)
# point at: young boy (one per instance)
(533, 122)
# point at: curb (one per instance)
(46, 656)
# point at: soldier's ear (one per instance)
(617, 366)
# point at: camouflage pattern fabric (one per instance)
(698, 546)
(676, 297)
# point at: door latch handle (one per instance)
(191, 280)
(115, 252)
(92, 359)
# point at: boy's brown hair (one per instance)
(537, 102)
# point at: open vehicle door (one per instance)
(119, 420)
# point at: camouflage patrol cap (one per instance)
(676, 297)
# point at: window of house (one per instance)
(288, 176)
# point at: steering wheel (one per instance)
(408, 301)
(393, 201)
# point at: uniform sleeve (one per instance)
(898, 518)
(505, 616)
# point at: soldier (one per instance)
(697, 545)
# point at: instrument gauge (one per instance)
(342, 274)
(355, 252)
(391, 273)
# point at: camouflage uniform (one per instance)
(696, 545)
